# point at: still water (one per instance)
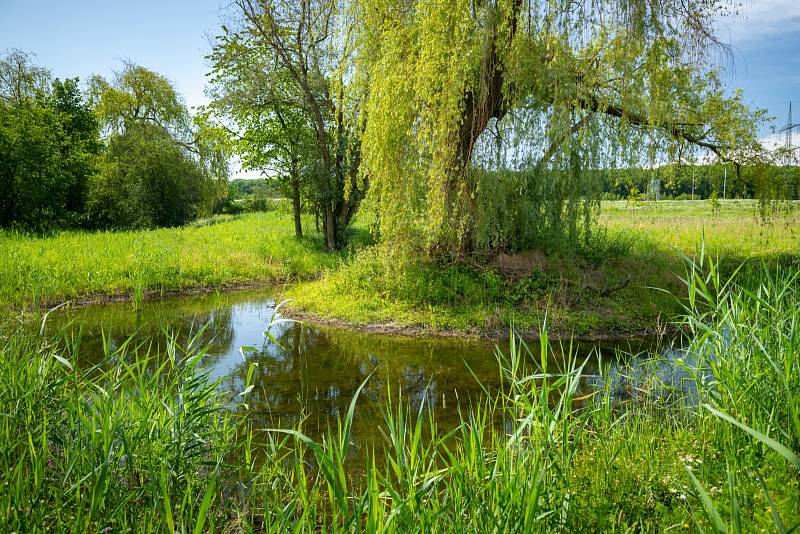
(311, 373)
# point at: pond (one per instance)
(310, 373)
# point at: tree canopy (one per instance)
(475, 125)
(268, 125)
(283, 75)
(125, 153)
(163, 167)
(49, 147)
(557, 90)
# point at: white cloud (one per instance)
(760, 18)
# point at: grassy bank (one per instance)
(737, 230)
(599, 288)
(227, 251)
(149, 445)
(603, 287)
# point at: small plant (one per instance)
(635, 197)
(137, 295)
(714, 203)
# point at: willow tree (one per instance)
(543, 93)
(158, 151)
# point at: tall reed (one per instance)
(703, 438)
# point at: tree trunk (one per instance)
(331, 240)
(316, 217)
(298, 225)
(482, 103)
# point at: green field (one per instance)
(737, 231)
(224, 252)
(145, 443)
(601, 288)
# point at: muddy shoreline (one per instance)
(553, 334)
(389, 329)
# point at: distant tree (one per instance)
(143, 116)
(83, 147)
(30, 147)
(20, 78)
(268, 126)
(147, 181)
(138, 95)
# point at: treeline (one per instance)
(256, 194)
(702, 181)
(121, 153)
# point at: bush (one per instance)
(147, 181)
(48, 150)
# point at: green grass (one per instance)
(148, 445)
(639, 245)
(642, 244)
(256, 248)
(739, 230)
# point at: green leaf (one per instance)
(207, 498)
(711, 510)
(784, 451)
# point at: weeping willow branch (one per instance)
(556, 144)
(442, 73)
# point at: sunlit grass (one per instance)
(148, 444)
(738, 229)
(641, 243)
(255, 248)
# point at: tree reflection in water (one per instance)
(311, 374)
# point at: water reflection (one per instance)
(310, 374)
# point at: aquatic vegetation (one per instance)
(153, 444)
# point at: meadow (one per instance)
(600, 287)
(148, 444)
(736, 229)
(451, 154)
(218, 253)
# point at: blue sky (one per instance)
(84, 37)
(80, 38)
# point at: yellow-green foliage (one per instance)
(528, 86)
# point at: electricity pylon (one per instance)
(790, 126)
